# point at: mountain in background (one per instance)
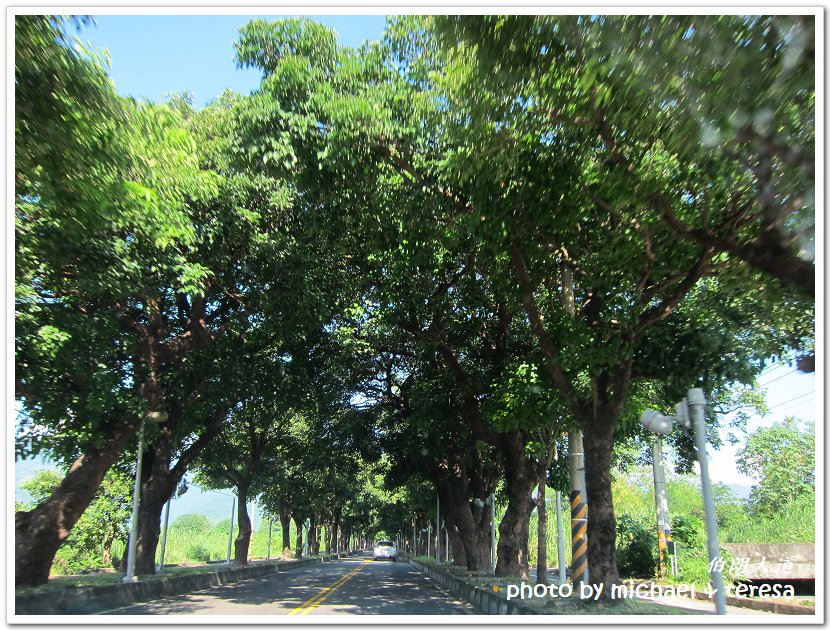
(214, 504)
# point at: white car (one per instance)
(385, 550)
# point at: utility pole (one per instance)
(253, 527)
(179, 492)
(696, 402)
(560, 535)
(133, 541)
(270, 527)
(230, 531)
(164, 535)
(661, 503)
(437, 529)
(576, 468)
(492, 501)
(579, 509)
(690, 415)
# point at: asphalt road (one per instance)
(349, 586)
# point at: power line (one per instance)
(778, 378)
(792, 399)
(777, 366)
(788, 408)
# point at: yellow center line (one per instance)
(307, 606)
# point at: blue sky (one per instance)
(156, 54)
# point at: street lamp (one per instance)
(179, 492)
(270, 527)
(437, 529)
(156, 417)
(689, 414)
(230, 529)
(490, 502)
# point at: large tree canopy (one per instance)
(410, 264)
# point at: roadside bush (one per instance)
(636, 547)
(689, 531)
(198, 553)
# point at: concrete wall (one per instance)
(484, 601)
(777, 561)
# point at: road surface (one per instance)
(349, 586)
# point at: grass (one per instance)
(795, 523)
(189, 547)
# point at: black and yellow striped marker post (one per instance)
(579, 538)
(311, 603)
(668, 560)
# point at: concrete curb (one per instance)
(484, 601)
(761, 604)
(86, 600)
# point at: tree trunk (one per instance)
(312, 534)
(285, 526)
(458, 553)
(458, 480)
(336, 532)
(40, 532)
(542, 512)
(160, 479)
(106, 551)
(520, 475)
(602, 524)
(542, 534)
(472, 523)
(299, 523)
(153, 497)
(243, 538)
(156, 489)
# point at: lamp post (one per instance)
(179, 492)
(560, 535)
(230, 530)
(661, 502)
(270, 528)
(437, 529)
(696, 402)
(689, 415)
(492, 501)
(253, 527)
(156, 417)
(580, 571)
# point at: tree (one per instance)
(782, 459)
(482, 186)
(102, 238)
(636, 86)
(105, 521)
(553, 198)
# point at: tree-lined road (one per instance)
(349, 586)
